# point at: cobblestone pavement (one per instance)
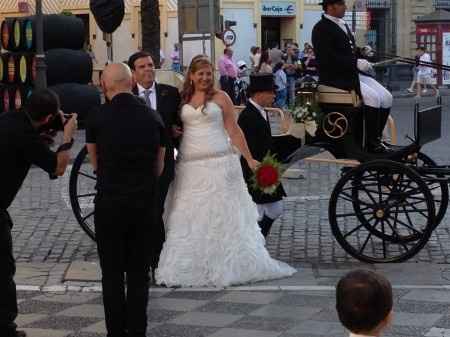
(45, 229)
(230, 314)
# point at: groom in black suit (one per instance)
(165, 99)
(255, 124)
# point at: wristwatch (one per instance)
(65, 146)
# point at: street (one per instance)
(59, 284)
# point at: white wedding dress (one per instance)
(212, 235)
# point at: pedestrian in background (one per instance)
(291, 69)
(20, 147)
(228, 73)
(364, 303)
(255, 56)
(125, 141)
(281, 84)
(265, 62)
(175, 57)
(413, 85)
(425, 74)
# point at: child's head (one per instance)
(278, 66)
(364, 302)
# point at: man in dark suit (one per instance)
(125, 141)
(165, 100)
(255, 124)
(339, 67)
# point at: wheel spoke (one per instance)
(345, 215)
(397, 236)
(398, 221)
(86, 175)
(368, 194)
(380, 196)
(350, 198)
(88, 216)
(86, 195)
(384, 241)
(353, 231)
(368, 237)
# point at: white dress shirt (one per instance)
(141, 90)
(260, 108)
(355, 335)
(340, 22)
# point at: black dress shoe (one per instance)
(378, 147)
(17, 333)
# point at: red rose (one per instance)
(266, 176)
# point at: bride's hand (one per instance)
(253, 164)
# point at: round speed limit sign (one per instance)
(229, 37)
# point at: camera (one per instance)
(57, 123)
(49, 130)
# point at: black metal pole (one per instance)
(41, 67)
(354, 18)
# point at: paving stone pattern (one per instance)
(230, 314)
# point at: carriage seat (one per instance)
(332, 95)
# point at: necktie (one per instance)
(147, 93)
(268, 120)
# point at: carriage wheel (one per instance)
(439, 189)
(381, 211)
(82, 193)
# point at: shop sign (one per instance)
(446, 57)
(278, 9)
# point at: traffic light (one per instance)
(69, 68)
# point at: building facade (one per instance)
(126, 39)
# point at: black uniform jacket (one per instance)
(260, 141)
(335, 55)
(167, 105)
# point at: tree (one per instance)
(150, 24)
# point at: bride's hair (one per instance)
(188, 91)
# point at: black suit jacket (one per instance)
(167, 103)
(259, 139)
(336, 59)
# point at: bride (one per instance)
(212, 235)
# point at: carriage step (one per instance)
(327, 157)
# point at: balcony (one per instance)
(441, 4)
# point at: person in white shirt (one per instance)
(364, 303)
(281, 83)
(424, 73)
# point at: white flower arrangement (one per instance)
(305, 117)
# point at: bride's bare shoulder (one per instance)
(222, 98)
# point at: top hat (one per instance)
(329, 2)
(262, 82)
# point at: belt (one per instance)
(205, 156)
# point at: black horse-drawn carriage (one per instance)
(383, 209)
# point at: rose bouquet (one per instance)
(267, 176)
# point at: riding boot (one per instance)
(373, 118)
(265, 224)
(384, 115)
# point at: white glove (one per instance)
(364, 65)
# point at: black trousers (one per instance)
(227, 85)
(124, 233)
(8, 296)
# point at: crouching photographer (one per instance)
(21, 146)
